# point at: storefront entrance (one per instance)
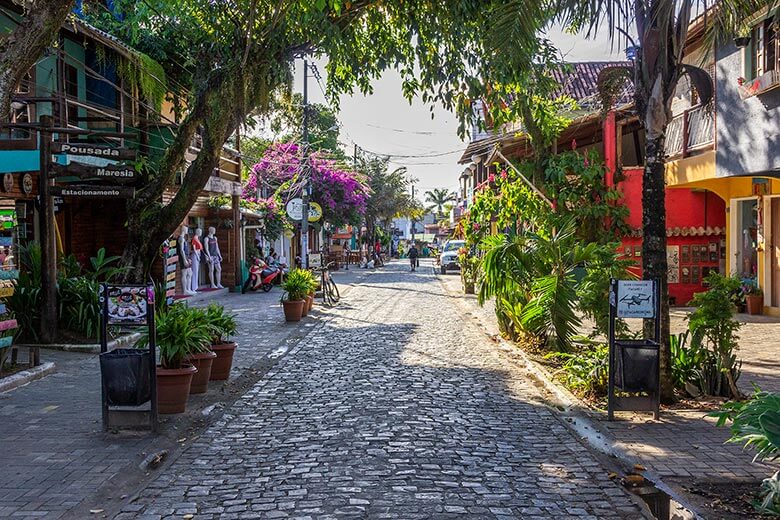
(744, 240)
(774, 259)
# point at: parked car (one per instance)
(448, 259)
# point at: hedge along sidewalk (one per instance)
(683, 446)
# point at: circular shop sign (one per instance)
(315, 212)
(295, 208)
(27, 183)
(8, 182)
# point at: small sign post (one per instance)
(128, 377)
(634, 365)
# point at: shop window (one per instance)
(21, 112)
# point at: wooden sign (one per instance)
(92, 150)
(94, 192)
(114, 172)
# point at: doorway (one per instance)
(775, 251)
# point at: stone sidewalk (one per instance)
(396, 407)
(684, 447)
(56, 461)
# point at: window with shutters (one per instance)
(764, 44)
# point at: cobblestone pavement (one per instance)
(684, 445)
(55, 456)
(396, 407)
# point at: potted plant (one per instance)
(296, 288)
(203, 359)
(313, 284)
(180, 333)
(223, 326)
(754, 297)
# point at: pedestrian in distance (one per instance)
(413, 254)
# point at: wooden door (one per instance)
(775, 208)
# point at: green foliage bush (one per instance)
(713, 321)
(223, 324)
(755, 424)
(585, 372)
(181, 331)
(296, 285)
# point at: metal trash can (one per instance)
(126, 376)
(637, 365)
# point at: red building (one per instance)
(695, 219)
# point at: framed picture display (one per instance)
(685, 274)
(685, 254)
(695, 254)
(695, 274)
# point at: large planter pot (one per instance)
(309, 303)
(293, 310)
(305, 307)
(203, 362)
(220, 368)
(173, 388)
(755, 303)
(468, 288)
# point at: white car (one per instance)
(448, 259)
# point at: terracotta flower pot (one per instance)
(755, 303)
(468, 288)
(220, 368)
(203, 362)
(173, 387)
(309, 302)
(305, 307)
(293, 310)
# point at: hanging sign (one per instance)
(635, 299)
(91, 150)
(114, 172)
(94, 192)
(315, 212)
(295, 210)
(315, 260)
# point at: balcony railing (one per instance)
(690, 131)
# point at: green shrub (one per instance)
(181, 331)
(755, 424)
(296, 285)
(79, 306)
(586, 372)
(713, 321)
(593, 290)
(223, 324)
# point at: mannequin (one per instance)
(183, 248)
(214, 259)
(197, 248)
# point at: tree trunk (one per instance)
(20, 49)
(150, 223)
(654, 265)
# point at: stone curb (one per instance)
(26, 376)
(576, 415)
(125, 341)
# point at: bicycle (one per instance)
(330, 292)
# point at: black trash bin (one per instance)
(637, 365)
(126, 375)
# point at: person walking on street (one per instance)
(413, 254)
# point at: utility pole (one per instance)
(413, 230)
(306, 183)
(48, 330)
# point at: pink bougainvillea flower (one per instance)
(504, 175)
(573, 144)
(491, 178)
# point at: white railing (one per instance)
(692, 130)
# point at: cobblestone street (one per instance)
(396, 407)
